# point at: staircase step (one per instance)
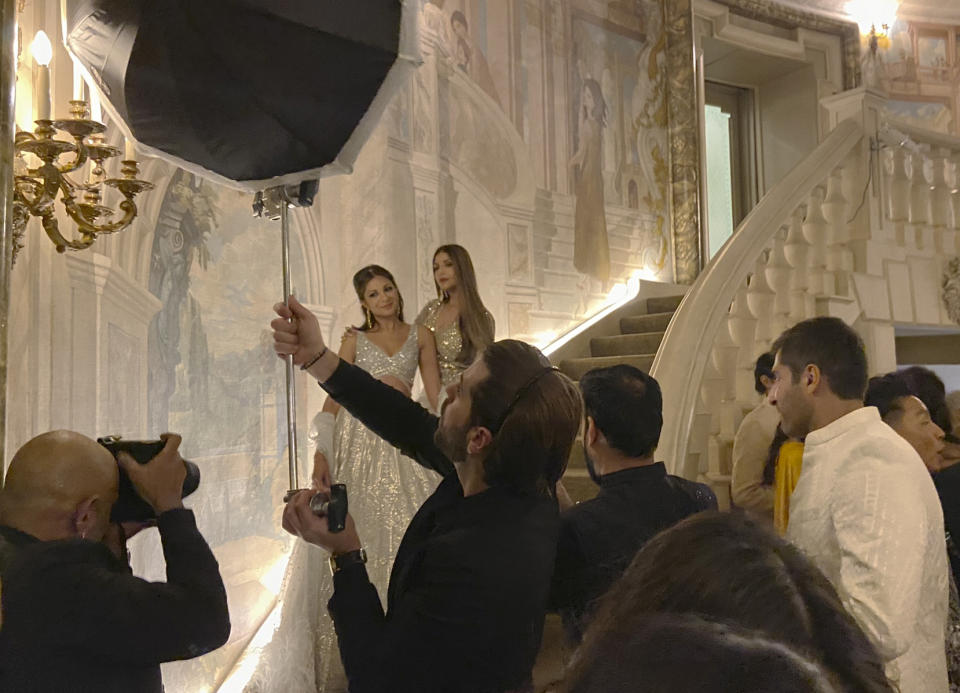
(576, 460)
(626, 344)
(641, 324)
(579, 485)
(574, 368)
(663, 304)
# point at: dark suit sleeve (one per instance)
(389, 413)
(567, 588)
(109, 613)
(434, 622)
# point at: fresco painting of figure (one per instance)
(591, 250)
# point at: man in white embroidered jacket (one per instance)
(865, 509)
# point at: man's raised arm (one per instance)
(387, 412)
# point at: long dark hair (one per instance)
(683, 653)
(475, 325)
(599, 103)
(770, 467)
(727, 567)
(360, 281)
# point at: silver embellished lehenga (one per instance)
(385, 490)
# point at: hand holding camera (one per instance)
(154, 477)
(322, 519)
(160, 481)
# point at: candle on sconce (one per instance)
(77, 82)
(42, 52)
(129, 150)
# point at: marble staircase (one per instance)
(634, 340)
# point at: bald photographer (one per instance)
(74, 618)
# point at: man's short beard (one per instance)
(452, 444)
(591, 470)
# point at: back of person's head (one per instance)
(953, 405)
(727, 567)
(901, 409)
(683, 653)
(763, 373)
(60, 485)
(626, 407)
(533, 412)
(833, 347)
(929, 389)
(886, 393)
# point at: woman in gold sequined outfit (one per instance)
(385, 488)
(461, 325)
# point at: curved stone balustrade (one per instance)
(860, 230)
(710, 306)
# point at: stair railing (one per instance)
(793, 248)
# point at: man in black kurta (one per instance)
(471, 577)
(637, 498)
(74, 617)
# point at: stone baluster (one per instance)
(899, 186)
(742, 327)
(797, 251)
(779, 275)
(939, 191)
(955, 191)
(919, 200)
(724, 356)
(950, 236)
(760, 302)
(815, 231)
(711, 394)
(836, 210)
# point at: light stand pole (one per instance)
(275, 203)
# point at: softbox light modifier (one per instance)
(250, 93)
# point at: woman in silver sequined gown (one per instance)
(461, 325)
(385, 489)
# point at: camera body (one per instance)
(333, 505)
(130, 507)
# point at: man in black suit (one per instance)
(74, 617)
(637, 499)
(471, 578)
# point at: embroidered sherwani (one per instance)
(866, 512)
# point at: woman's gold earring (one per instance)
(369, 318)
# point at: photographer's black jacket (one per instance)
(470, 580)
(76, 619)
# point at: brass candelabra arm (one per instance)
(79, 160)
(36, 189)
(32, 194)
(85, 215)
(49, 223)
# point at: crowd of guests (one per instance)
(832, 574)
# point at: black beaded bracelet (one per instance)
(313, 360)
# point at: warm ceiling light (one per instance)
(41, 49)
(875, 14)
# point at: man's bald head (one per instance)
(60, 484)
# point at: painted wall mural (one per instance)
(921, 72)
(536, 134)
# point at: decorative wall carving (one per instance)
(793, 18)
(684, 141)
(518, 254)
(950, 286)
